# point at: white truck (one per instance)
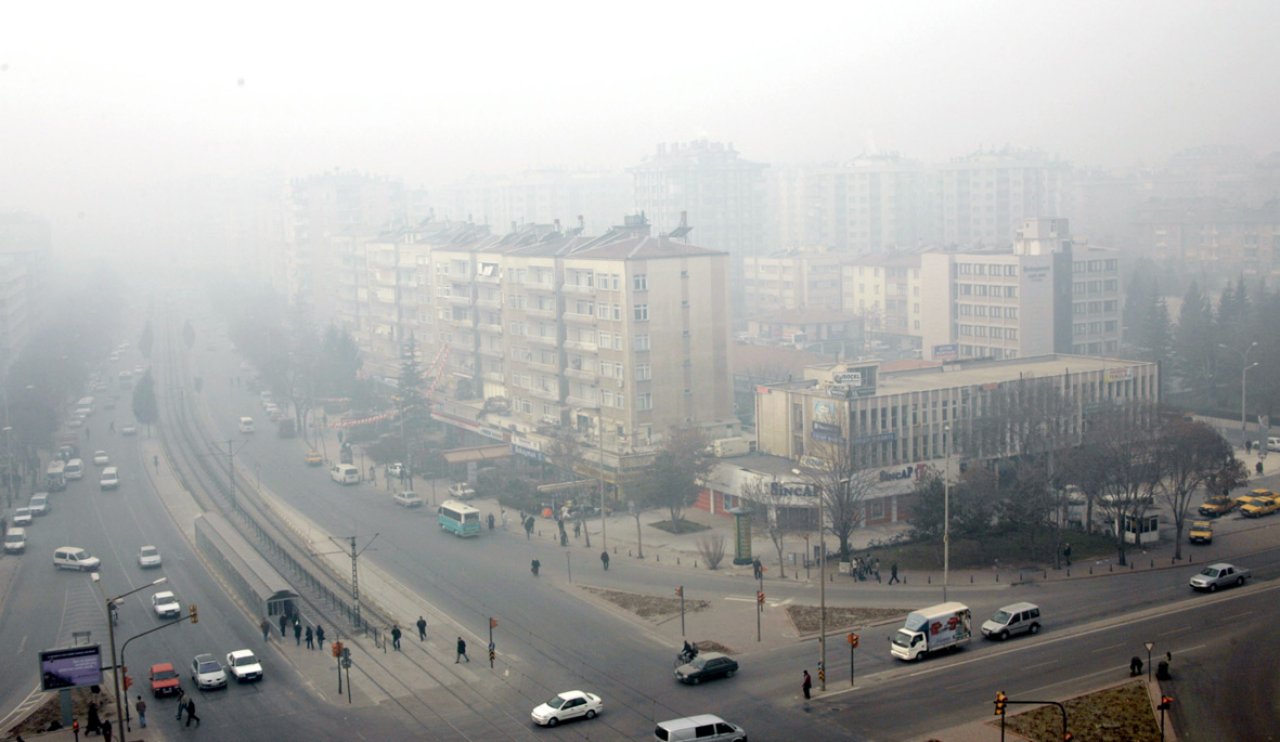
(932, 629)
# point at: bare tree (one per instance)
(764, 517)
(1117, 463)
(676, 475)
(1191, 455)
(712, 550)
(843, 487)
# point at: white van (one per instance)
(74, 469)
(110, 478)
(73, 557)
(15, 541)
(246, 425)
(703, 728)
(1017, 618)
(39, 503)
(344, 474)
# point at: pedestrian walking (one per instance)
(757, 569)
(806, 685)
(284, 622)
(266, 628)
(462, 651)
(577, 529)
(95, 724)
(491, 521)
(1066, 553)
(310, 639)
(191, 712)
(155, 461)
(503, 513)
(395, 637)
(297, 632)
(141, 707)
(604, 559)
(182, 703)
(107, 729)
(112, 426)
(528, 527)
(893, 573)
(320, 637)
(422, 629)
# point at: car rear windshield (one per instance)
(209, 667)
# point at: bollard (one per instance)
(695, 564)
(997, 577)
(1153, 564)
(628, 552)
(1044, 574)
(1130, 566)
(677, 561)
(970, 579)
(1111, 568)
(904, 579)
(657, 557)
(930, 579)
(1068, 571)
(1090, 569)
(1019, 576)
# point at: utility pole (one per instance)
(355, 571)
(231, 473)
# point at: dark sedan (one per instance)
(706, 666)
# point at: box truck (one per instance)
(928, 630)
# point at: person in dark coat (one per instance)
(266, 629)
(297, 632)
(310, 637)
(191, 712)
(395, 637)
(106, 731)
(806, 685)
(284, 623)
(604, 559)
(182, 703)
(95, 723)
(893, 573)
(462, 651)
(319, 637)
(422, 629)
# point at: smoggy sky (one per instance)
(102, 100)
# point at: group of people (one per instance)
(314, 635)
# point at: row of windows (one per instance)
(1109, 306)
(982, 310)
(982, 331)
(1086, 288)
(1094, 328)
(1095, 266)
(981, 289)
(986, 269)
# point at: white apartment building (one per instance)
(885, 290)
(1044, 295)
(984, 198)
(26, 254)
(792, 279)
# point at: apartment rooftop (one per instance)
(988, 372)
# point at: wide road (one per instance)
(555, 640)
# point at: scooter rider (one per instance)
(534, 566)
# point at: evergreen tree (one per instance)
(1195, 347)
(144, 400)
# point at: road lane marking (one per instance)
(1041, 664)
(1107, 648)
(1178, 630)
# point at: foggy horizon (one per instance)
(105, 110)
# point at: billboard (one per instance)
(70, 668)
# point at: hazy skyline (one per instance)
(101, 102)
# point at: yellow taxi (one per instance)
(313, 458)
(1261, 506)
(1201, 532)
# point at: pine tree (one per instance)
(1194, 344)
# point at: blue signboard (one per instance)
(70, 668)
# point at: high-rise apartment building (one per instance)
(1044, 295)
(26, 254)
(985, 197)
(885, 290)
(792, 279)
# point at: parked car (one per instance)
(572, 704)
(244, 665)
(15, 540)
(164, 679)
(1201, 532)
(148, 556)
(461, 491)
(207, 672)
(39, 504)
(22, 517)
(1219, 575)
(166, 604)
(100, 458)
(313, 458)
(407, 499)
(1261, 506)
(1215, 506)
(706, 666)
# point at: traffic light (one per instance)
(1001, 701)
(195, 617)
(492, 656)
(128, 681)
(336, 649)
(680, 591)
(1166, 703)
(493, 623)
(760, 597)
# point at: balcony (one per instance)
(493, 279)
(578, 319)
(579, 289)
(532, 311)
(496, 377)
(491, 329)
(552, 395)
(489, 302)
(590, 347)
(456, 299)
(492, 352)
(547, 340)
(456, 321)
(580, 374)
(543, 286)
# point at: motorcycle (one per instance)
(534, 566)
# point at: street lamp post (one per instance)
(822, 588)
(122, 703)
(1244, 383)
(946, 510)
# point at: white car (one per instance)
(166, 604)
(207, 673)
(110, 478)
(407, 499)
(148, 556)
(100, 458)
(21, 517)
(244, 665)
(461, 491)
(129, 430)
(572, 704)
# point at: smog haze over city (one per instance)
(110, 111)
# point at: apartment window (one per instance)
(1011, 292)
(602, 311)
(584, 307)
(516, 329)
(641, 342)
(617, 341)
(641, 313)
(640, 282)
(617, 312)
(643, 372)
(644, 401)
